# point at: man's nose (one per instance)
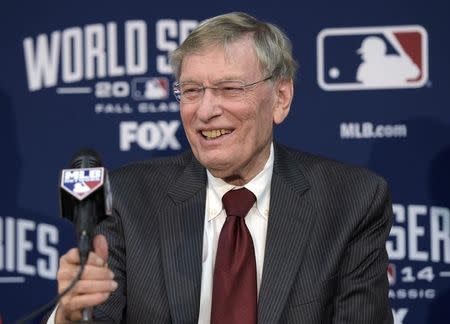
(210, 105)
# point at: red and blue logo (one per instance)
(392, 274)
(370, 58)
(155, 88)
(80, 183)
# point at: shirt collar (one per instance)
(259, 185)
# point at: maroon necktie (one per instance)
(234, 286)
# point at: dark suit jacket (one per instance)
(325, 258)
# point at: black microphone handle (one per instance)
(85, 221)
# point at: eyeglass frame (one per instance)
(176, 87)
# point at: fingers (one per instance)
(72, 257)
(79, 302)
(91, 291)
(101, 247)
(95, 285)
(70, 308)
(69, 272)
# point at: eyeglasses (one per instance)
(190, 92)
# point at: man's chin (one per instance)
(218, 168)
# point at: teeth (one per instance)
(209, 134)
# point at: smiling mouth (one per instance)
(215, 133)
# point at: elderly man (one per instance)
(240, 229)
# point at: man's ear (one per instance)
(284, 94)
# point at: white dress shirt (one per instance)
(215, 215)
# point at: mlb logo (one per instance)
(156, 88)
(391, 273)
(80, 183)
(368, 58)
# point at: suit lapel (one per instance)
(290, 223)
(181, 228)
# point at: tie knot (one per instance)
(238, 202)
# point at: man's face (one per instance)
(230, 138)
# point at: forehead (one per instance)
(214, 62)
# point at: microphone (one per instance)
(85, 199)
(85, 196)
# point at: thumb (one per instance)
(101, 247)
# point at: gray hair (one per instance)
(272, 46)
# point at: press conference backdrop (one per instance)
(372, 90)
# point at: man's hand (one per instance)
(94, 287)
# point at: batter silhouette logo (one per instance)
(155, 88)
(370, 58)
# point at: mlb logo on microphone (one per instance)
(80, 183)
(391, 273)
(156, 88)
(371, 58)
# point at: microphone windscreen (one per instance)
(86, 158)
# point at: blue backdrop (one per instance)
(76, 74)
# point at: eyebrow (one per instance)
(222, 79)
(213, 83)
